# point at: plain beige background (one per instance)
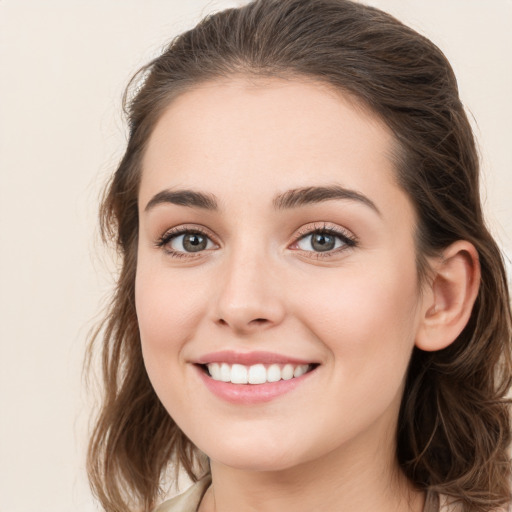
(63, 66)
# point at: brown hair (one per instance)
(454, 426)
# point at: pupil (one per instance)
(323, 242)
(194, 242)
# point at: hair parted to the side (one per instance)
(454, 425)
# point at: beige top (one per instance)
(189, 501)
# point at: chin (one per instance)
(254, 456)
(259, 464)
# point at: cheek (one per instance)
(166, 315)
(367, 321)
(365, 313)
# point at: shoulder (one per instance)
(448, 505)
(188, 501)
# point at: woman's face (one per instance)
(274, 241)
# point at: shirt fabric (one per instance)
(189, 501)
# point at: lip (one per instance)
(250, 358)
(248, 394)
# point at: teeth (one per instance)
(273, 373)
(255, 374)
(287, 372)
(214, 370)
(238, 374)
(299, 370)
(225, 372)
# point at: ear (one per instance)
(448, 299)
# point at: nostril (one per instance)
(259, 321)
(242, 325)
(256, 321)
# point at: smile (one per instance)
(253, 377)
(256, 373)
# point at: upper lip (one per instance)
(249, 358)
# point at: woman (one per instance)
(310, 314)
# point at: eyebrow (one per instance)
(310, 195)
(293, 198)
(188, 198)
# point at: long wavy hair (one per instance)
(454, 423)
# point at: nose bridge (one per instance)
(248, 294)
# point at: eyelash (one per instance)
(348, 240)
(169, 235)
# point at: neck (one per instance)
(358, 477)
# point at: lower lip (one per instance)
(251, 393)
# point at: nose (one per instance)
(250, 295)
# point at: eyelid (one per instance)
(183, 229)
(324, 226)
(347, 237)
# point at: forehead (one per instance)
(265, 135)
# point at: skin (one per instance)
(358, 311)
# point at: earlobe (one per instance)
(450, 296)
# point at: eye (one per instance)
(319, 242)
(323, 240)
(185, 241)
(190, 242)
